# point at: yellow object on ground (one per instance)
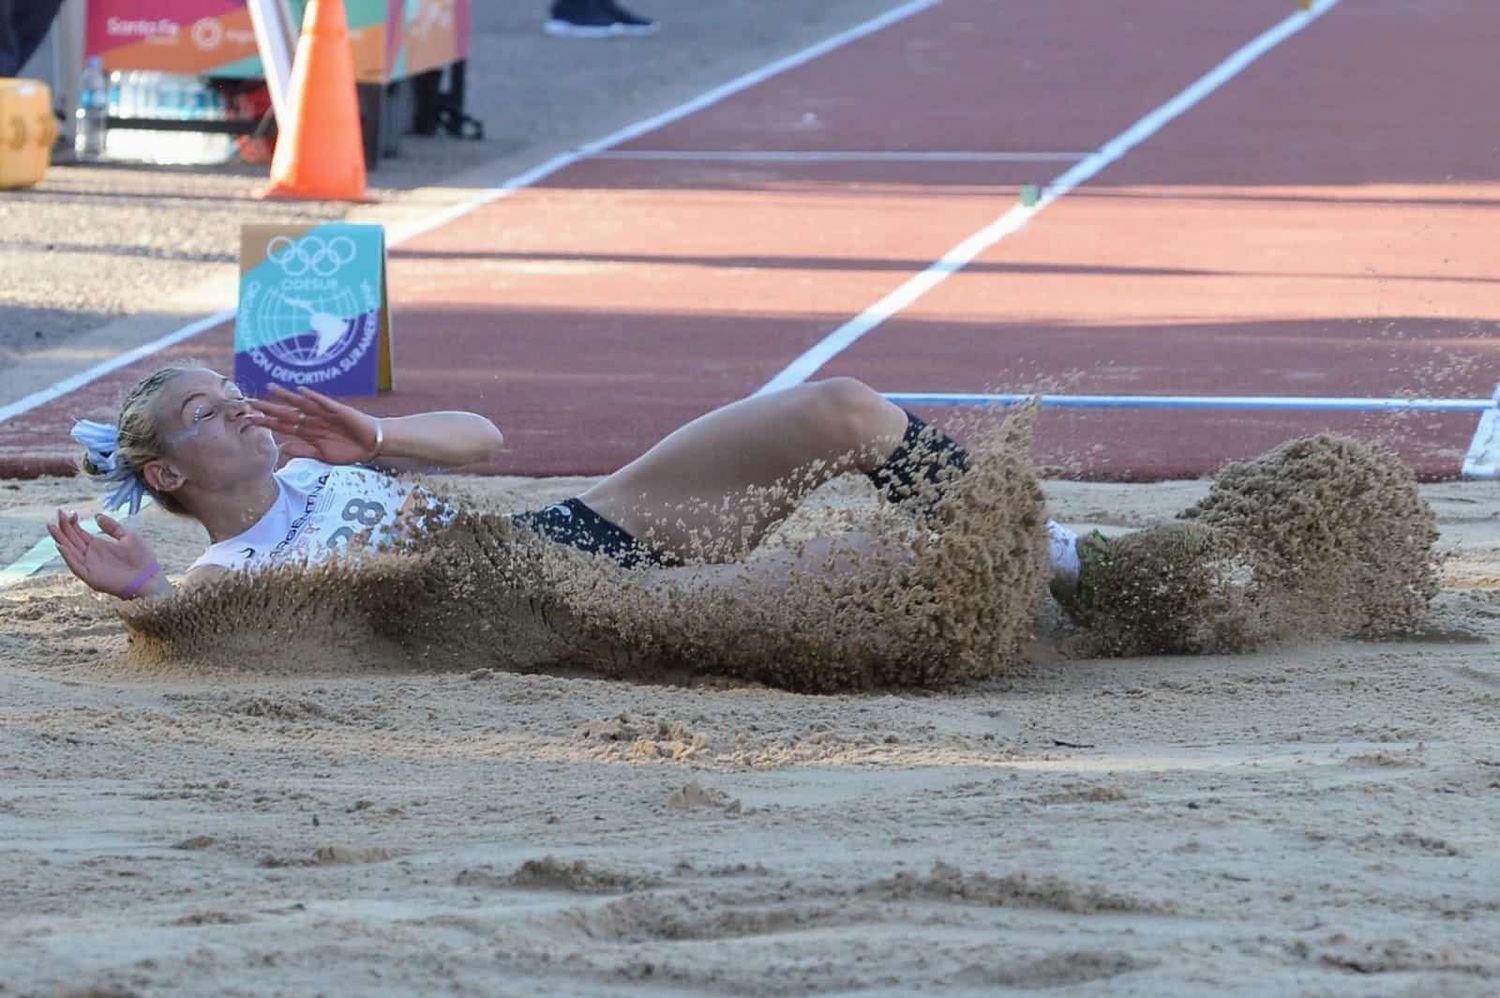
(27, 131)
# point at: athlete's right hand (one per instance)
(111, 563)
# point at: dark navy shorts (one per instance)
(573, 523)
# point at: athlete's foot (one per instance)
(1062, 550)
(1177, 588)
(1073, 583)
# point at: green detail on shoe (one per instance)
(1093, 552)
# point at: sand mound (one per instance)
(695, 796)
(1324, 536)
(1054, 970)
(1343, 543)
(330, 855)
(551, 874)
(1021, 890)
(650, 917)
(890, 604)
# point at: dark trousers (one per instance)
(23, 25)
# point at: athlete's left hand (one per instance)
(314, 425)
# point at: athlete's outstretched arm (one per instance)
(317, 426)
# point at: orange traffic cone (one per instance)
(320, 153)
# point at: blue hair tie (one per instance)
(102, 441)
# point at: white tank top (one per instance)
(321, 510)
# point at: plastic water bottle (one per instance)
(91, 124)
(175, 97)
(124, 104)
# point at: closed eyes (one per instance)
(205, 412)
(201, 413)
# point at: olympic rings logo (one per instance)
(310, 255)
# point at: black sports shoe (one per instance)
(626, 23)
(580, 19)
(596, 19)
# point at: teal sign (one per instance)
(313, 309)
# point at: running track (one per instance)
(1320, 225)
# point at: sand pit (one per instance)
(1312, 815)
(493, 812)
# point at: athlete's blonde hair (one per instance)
(142, 437)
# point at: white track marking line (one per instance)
(835, 156)
(1282, 403)
(82, 378)
(522, 180)
(36, 558)
(1483, 457)
(704, 100)
(1017, 217)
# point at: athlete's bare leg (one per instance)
(683, 492)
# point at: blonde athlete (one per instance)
(200, 448)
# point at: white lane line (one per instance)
(704, 100)
(77, 381)
(36, 558)
(522, 180)
(1483, 457)
(1017, 217)
(1283, 403)
(836, 156)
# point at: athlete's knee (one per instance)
(853, 413)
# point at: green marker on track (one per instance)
(1029, 195)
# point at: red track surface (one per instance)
(1323, 225)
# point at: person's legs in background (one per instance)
(10, 45)
(23, 25)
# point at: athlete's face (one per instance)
(214, 438)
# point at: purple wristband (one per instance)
(147, 574)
